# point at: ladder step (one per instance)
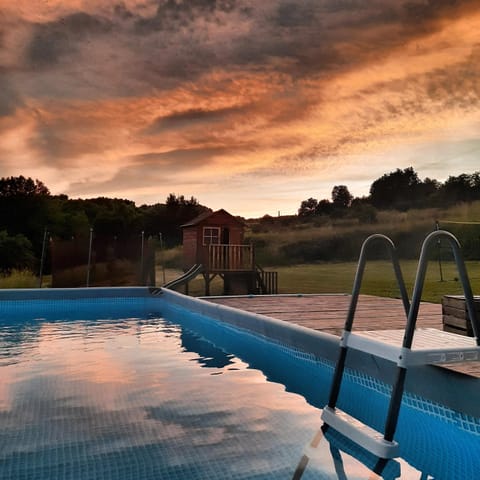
(361, 434)
(430, 346)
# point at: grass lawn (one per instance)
(378, 280)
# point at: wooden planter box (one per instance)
(455, 315)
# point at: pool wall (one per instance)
(445, 387)
(65, 303)
(454, 390)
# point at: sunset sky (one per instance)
(251, 106)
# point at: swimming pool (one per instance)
(118, 384)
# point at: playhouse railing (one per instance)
(227, 258)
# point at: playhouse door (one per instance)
(225, 242)
(225, 236)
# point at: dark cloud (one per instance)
(52, 40)
(302, 38)
(179, 159)
(308, 37)
(295, 14)
(172, 15)
(122, 12)
(188, 61)
(57, 150)
(421, 11)
(192, 118)
(456, 86)
(10, 99)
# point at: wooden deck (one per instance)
(327, 313)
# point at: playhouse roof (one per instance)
(203, 216)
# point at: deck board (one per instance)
(327, 313)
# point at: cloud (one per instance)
(433, 10)
(294, 14)
(172, 15)
(151, 170)
(52, 40)
(178, 159)
(107, 95)
(194, 117)
(10, 99)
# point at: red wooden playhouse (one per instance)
(213, 245)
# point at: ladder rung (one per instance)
(371, 345)
(431, 346)
(361, 434)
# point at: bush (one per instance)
(15, 253)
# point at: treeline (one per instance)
(398, 190)
(28, 212)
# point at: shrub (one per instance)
(15, 253)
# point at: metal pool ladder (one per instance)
(431, 346)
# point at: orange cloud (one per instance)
(138, 100)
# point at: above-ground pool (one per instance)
(121, 384)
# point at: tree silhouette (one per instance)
(398, 189)
(308, 207)
(22, 187)
(341, 197)
(463, 188)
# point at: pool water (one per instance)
(139, 398)
(147, 397)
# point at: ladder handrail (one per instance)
(411, 313)
(397, 392)
(340, 366)
(420, 280)
(357, 283)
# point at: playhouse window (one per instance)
(211, 235)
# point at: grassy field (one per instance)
(321, 278)
(338, 278)
(291, 241)
(378, 279)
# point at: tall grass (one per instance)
(320, 255)
(19, 279)
(170, 257)
(326, 239)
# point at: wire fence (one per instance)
(102, 260)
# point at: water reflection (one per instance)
(209, 355)
(437, 446)
(332, 456)
(99, 390)
(130, 399)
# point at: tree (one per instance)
(178, 210)
(324, 207)
(341, 197)
(15, 252)
(308, 207)
(181, 201)
(22, 187)
(24, 208)
(428, 189)
(464, 188)
(398, 189)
